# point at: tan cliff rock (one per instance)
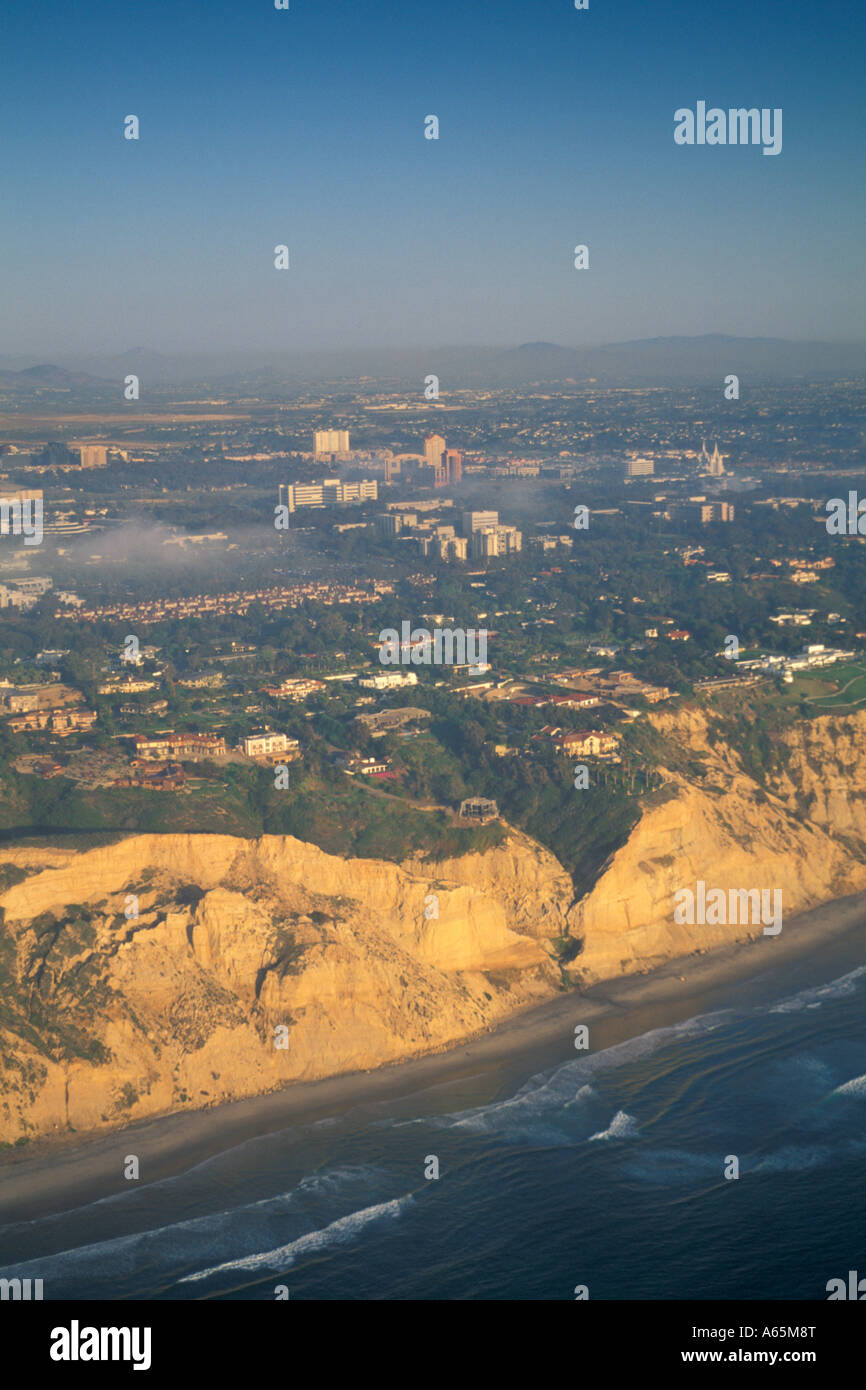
(107, 1017)
(363, 962)
(805, 834)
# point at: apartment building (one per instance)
(490, 542)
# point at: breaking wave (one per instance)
(340, 1232)
(622, 1126)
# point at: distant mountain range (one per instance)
(46, 378)
(670, 361)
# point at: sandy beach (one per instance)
(812, 949)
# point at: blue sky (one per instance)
(305, 127)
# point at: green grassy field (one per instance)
(849, 682)
(837, 687)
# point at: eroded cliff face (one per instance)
(106, 1016)
(109, 1017)
(803, 832)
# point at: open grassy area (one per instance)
(833, 688)
(804, 687)
(850, 687)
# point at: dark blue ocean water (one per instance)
(606, 1170)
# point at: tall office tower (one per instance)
(434, 448)
(440, 476)
(331, 442)
(93, 455)
(484, 544)
(471, 521)
(487, 542)
(391, 465)
(512, 538)
(639, 468)
(454, 465)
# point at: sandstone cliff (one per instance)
(803, 831)
(107, 1016)
(110, 1015)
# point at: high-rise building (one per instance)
(639, 468)
(331, 442)
(488, 542)
(454, 465)
(484, 544)
(434, 448)
(93, 455)
(471, 521)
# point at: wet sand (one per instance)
(812, 949)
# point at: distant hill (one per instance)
(534, 348)
(47, 378)
(664, 361)
(672, 361)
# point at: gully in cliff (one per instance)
(737, 907)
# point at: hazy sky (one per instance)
(306, 127)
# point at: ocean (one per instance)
(604, 1172)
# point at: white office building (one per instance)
(331, 442)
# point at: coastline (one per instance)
(813, 948)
